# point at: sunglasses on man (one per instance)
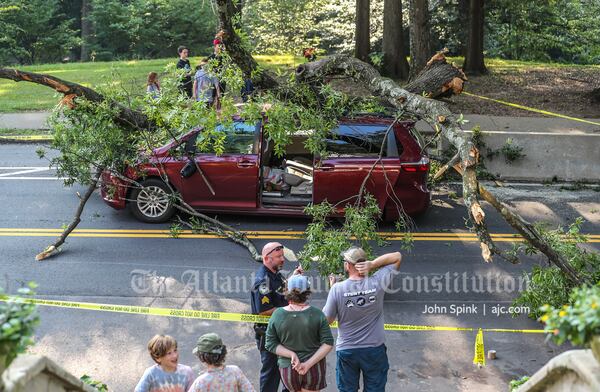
(275, 250)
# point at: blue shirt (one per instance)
(205, 86)
(267, 291)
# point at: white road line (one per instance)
(10, 174)
(32, 178)
(23, 167)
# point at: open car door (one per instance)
(233, 175)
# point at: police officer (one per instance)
(267, 295)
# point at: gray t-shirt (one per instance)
(155, 379)
(358, 307)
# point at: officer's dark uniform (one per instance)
(267, 293)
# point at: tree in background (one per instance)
(474, 63)
(150, 28)
(394, 61)
(560, 30)
(86, 29)
(420, 45)
(292, 25)
(35, 31)
(362, 44)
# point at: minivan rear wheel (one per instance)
(152, 202)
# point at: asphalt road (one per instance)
(114, 259)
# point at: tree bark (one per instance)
(463, 19)
(260, 78)
(395, 65)
(86, 29)
(438, 79)
(439, 116)
(126, 117)
(474, 62)
(420, 42)
(362, 39)
(52, 249)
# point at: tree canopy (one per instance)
(549, 30)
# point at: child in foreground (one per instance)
(218, 377)
(167, 375)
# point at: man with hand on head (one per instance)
(357, 304)
(268, 294)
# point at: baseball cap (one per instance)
(209, 343)
(270, 247)
(298, 282)
(354, 255)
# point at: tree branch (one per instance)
(53, 249)
(126, 117)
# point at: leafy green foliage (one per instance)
(175, 230)
(576, 322)
(511, 151)
(293, 25)
(17, 322)
(150, 28)
(99, 385)
(515, 384)
(547, 284)
(557, 30)
(325, 242)
(88, 137)
(34, 31)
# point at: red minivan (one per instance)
(249, 178)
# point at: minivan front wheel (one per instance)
(152, 202)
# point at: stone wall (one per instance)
(571, 371)
(35, 373)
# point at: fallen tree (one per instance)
(438, 79)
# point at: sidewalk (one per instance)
(24, 120)
(37, 120)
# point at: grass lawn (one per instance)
(24, 96)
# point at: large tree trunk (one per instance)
(420, 43)
(463, 19)
(474, 63)
(86, 29)
(362, 39)
(395, 65)
(260, 78)
(438, 79)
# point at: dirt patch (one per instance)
(569, 91)
(565, 90)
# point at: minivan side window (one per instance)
(240, 138)
(362, 140)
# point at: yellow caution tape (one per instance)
(479, 358)
(523, 107)
(224, 316)
(27, 137)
